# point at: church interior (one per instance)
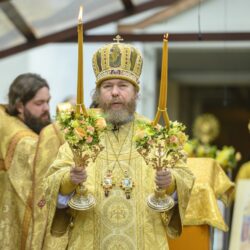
(208, 77)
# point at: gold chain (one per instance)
(117, 155)
(126, 183)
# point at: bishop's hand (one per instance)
(78, 175)
(163, 178)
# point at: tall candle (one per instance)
(80, 93)
(164, 84)
(164, 74)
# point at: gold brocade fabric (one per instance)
(17, 149)
(24, 159)
(115, 222)
(211, 183)
(50, 139)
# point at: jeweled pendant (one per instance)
(107, 183)
(127, 185)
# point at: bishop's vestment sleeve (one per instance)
(57, 218)
(184, 181)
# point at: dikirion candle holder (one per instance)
(82, 131)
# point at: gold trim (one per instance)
(26, 221)
(32, 194)
(28, 214)
(118, 74)
(12, 146)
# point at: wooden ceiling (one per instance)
(127, 31)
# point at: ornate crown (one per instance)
(117, 60)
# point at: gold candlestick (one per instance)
(159, 201)
(81, 200)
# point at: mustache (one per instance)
(45, 113)
(115, 99)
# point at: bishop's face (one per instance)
(117, 98)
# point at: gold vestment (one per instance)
(17, 150)
(50, 140)
(24, 159)
(115, 222)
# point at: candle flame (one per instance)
(165, 37)
(80, 14)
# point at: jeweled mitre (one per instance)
(117, 60)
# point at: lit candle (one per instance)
(79, 100)
(164, 84)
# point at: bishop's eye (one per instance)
(124, 85)
(107, 86)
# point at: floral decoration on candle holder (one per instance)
(83, 133)
(162, 148)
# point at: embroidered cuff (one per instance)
(172, 186)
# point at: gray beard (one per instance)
(119, 117)
(116, 117)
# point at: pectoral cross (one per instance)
(118, 39)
